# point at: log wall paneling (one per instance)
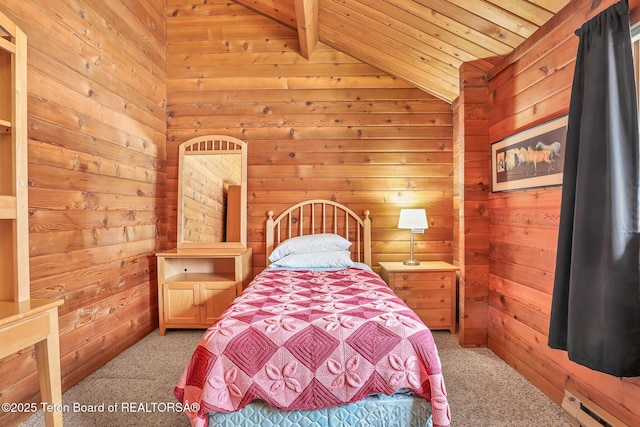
(97, 155)
(472, 220)
(328, 127)
(529, 87)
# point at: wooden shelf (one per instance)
(228, 252)
(5, 125)
(200, 278)
(8, 207)
(6, 44)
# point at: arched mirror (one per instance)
(212, 192)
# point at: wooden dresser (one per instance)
(429, 289)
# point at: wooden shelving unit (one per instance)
(23, 321)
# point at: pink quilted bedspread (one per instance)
(309, 340)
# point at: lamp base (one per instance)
(411, 262)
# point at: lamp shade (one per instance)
(413, 219)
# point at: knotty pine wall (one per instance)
(531, 86)
(330, 127)
(96, 106)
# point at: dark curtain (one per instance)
(595, 313)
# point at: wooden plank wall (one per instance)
(471, 143)
(328, 127)
(533, 85)
(96, 105)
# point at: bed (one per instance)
(317, 338)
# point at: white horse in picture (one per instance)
(553, 148)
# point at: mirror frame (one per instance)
(211, 145)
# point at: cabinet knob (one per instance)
(404, 277)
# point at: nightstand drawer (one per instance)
(435, 318)
(417, 299)
(420, 280)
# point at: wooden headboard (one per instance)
(321, 216)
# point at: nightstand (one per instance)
(429, 289)
(195, 286)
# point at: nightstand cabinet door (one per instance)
(196, 304)
(181, 303)
(215, 299)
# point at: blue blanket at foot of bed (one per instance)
(375, 411)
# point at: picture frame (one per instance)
(532, 158)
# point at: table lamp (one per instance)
(416, 221)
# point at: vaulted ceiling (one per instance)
(423, 42)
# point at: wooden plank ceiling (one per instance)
(423, 42)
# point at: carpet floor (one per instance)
(136, 388)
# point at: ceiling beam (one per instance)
(307, 23)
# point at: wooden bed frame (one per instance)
(321, 216)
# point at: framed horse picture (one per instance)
(531, 158)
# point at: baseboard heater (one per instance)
(582, 412)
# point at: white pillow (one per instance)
(328, 259)
(310, 243)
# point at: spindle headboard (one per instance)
(321, 216)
